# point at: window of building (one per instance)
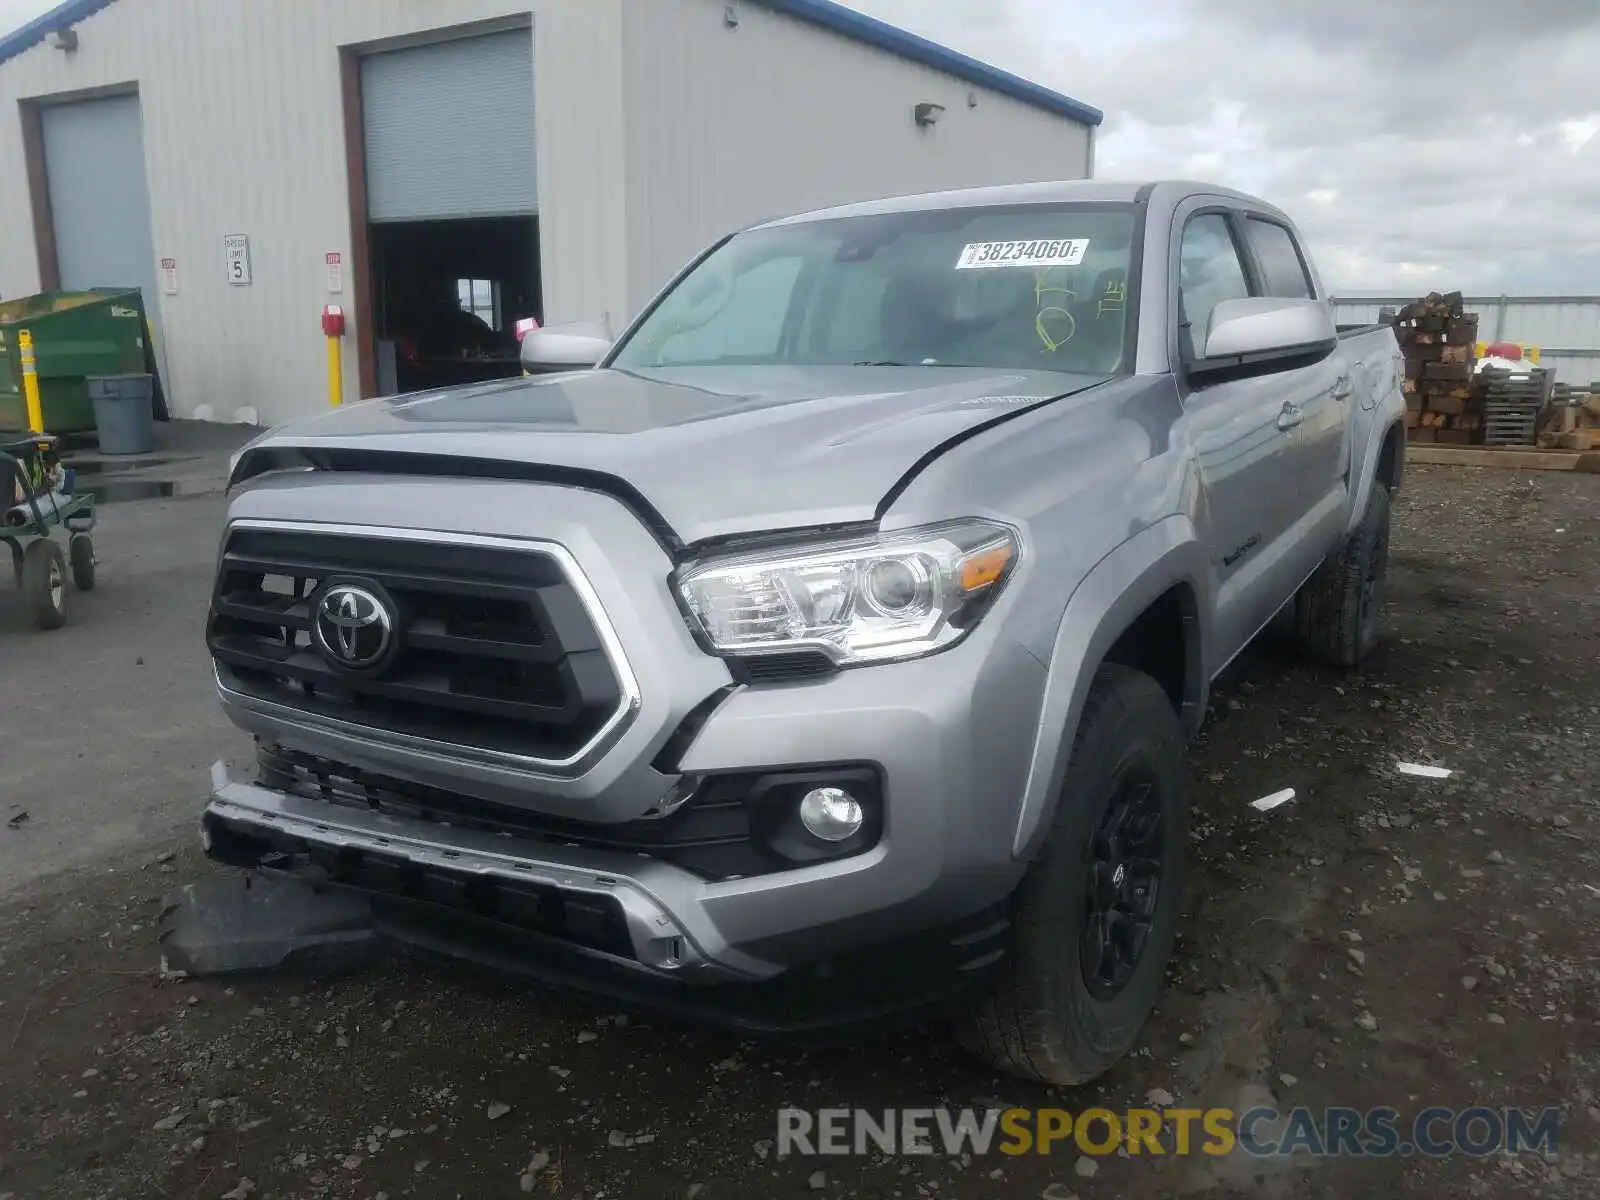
(481, 298)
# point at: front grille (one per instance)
(709, 835)
(495, 649)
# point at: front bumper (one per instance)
(950, 736)
(567, 916)
(950, 773)
(949, 765)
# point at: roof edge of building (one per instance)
(824, 13)
(861, 28)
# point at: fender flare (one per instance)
(1103, 605)
(1386, 416)
(1367, 464)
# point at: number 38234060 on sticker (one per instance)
(1038, 252)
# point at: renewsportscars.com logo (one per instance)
(1264, 1132)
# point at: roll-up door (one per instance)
(449, 129)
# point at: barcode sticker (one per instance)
(1040, 252)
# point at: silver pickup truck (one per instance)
(826, 647)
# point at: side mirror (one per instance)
(574, 347)
(1266, 333)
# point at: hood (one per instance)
(715, 451)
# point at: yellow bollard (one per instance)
(30, 382)
(333, 330)
(335, 373)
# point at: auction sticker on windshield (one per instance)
(1041, 252)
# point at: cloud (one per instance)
(16, 13)
(1452, 147)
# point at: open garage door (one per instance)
(452, 202)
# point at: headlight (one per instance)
(893, 596)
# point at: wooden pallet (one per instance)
(1512, 458)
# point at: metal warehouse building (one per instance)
(443, 168)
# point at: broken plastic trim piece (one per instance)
(246, 923)
(1423, 771)
(1268, 803)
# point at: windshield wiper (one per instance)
(895, 362)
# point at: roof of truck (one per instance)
(1160, 192)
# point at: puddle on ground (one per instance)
(122, 491)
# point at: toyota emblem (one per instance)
(354, 626)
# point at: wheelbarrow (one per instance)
(39, 503)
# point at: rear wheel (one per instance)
(1097, 912)
(81, 552)
(1336, 612)
(44, 583)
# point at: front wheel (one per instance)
(1097, 912)
(81, 551)
(44, 583)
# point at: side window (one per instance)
(1282, 269)
(1209, 272)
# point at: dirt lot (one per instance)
(1471, 905)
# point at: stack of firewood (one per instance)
(1572, 422)
(1438, 340)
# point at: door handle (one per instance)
(1343, 388)
(1290, 415)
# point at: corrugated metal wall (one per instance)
(1565, 328)
(243, 134)
(728, 125)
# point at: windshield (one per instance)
(1039, 287)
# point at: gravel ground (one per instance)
(1383, 939)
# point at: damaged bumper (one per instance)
(633, 930)
(566, 893)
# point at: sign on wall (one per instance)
(334, 261)
(236, 258)
(169, 276)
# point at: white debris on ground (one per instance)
(1423, 770)
(1268, 803)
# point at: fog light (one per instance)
(830, 813)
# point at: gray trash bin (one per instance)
(122, 413)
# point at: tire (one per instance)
(1047, 1018)
(81, 552)
(1336, 612)
(44, 583)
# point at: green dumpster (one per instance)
(75, 335)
